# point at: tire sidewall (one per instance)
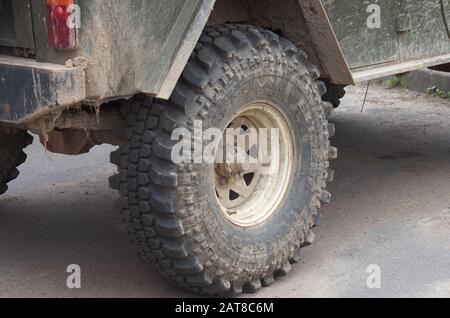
(292, 94)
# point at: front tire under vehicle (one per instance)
(178, 215)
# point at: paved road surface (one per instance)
(391, 208)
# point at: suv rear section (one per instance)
(26, 79)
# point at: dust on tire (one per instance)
(171, 218)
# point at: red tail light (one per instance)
(62, 34)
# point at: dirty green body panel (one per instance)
(427, 37)
(133, 46)
(126, 47)
(129, 46)
(363, 46)
(410, 30)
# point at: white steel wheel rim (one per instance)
(249, 194)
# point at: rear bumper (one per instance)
(29, 89)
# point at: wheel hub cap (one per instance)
(250, 192)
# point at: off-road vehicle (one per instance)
(132, 72)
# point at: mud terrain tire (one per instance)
(334, 94)
(171, 209)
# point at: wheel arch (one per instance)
(305, 23)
